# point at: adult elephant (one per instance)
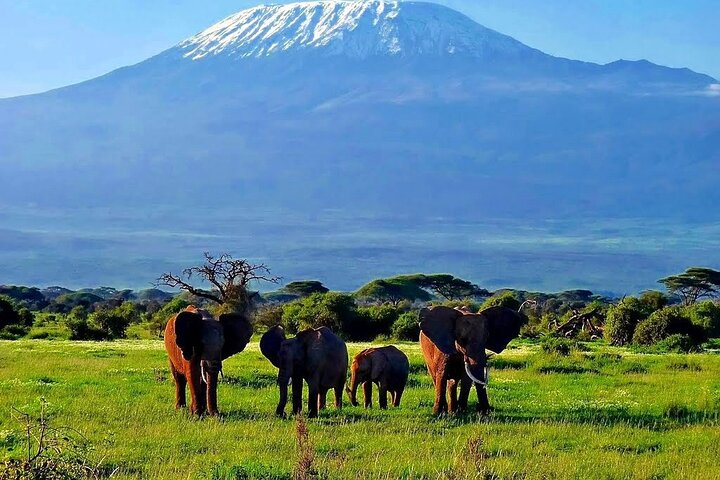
(197, 344)
(388, 367)
(453, 343)
(317, 356)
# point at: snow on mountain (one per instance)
(357, 29)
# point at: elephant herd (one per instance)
(453, 343)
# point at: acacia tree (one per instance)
(229, 277)
(450, 287)
(693, 284)
(393, 290)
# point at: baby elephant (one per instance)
(388, 367)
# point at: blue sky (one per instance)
(50, 43)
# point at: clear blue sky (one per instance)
(51, 43)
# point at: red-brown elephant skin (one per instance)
(453, 342)
(197, 344)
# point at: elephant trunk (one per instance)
(210, 372)
(352, 389)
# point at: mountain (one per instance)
(364, 109)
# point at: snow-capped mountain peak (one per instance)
(356, 29)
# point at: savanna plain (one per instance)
(596, 412)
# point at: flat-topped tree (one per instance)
(450, 287)
(303, 288)
(393, 290)
(693, 284)
(229, 279)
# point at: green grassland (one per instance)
(604, 413)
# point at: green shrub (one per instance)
(13, 332)
(678, 343)
(666, 322)
(267, 316)
(407, 327)
(653, 300)
(503, 299)
(334, 310)
(141, 331)
(12, 314)
(49, 332)
(467, 303)
(161, 317)
(379, 318)
(559, 346)
(622, 319)
(706, 315)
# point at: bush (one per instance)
(705, 315)
(334, 310)
(13, 332)
(666, 322)
(678, 343)
(103, 324)
(81, 329)
(653, 300)
(379, 319)
(161, 317)
(267, 316)
(466, 303)
(622, 320)
(559, 346)
(407, 326)
(504, 299)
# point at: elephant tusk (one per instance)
(290, 381)
(203, 375)
(473, 378)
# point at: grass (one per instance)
(603, 413)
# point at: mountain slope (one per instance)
(356, 29)
(370, 107)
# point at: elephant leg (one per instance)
(202, 397)
(322, 401)
(297, 385)
(483, 407)
(367, 394)
(440, 401)
(452, 393)
(313, 397)
(339, 395)
(398, 396)
(383, 395)
(197, 391)
(180, 383)
(465, 386)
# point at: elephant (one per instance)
(317, 356)
(453, 343)
(388, 367)
(197, 344)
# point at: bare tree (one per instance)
(229, 278)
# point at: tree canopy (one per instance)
(229, 279)
(393, 290)
(303, 288)
(419, 287)
(693, 284)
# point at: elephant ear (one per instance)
(237, 332)
(438, 324)
(503, 325)
(270, 344)
(188, 333)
